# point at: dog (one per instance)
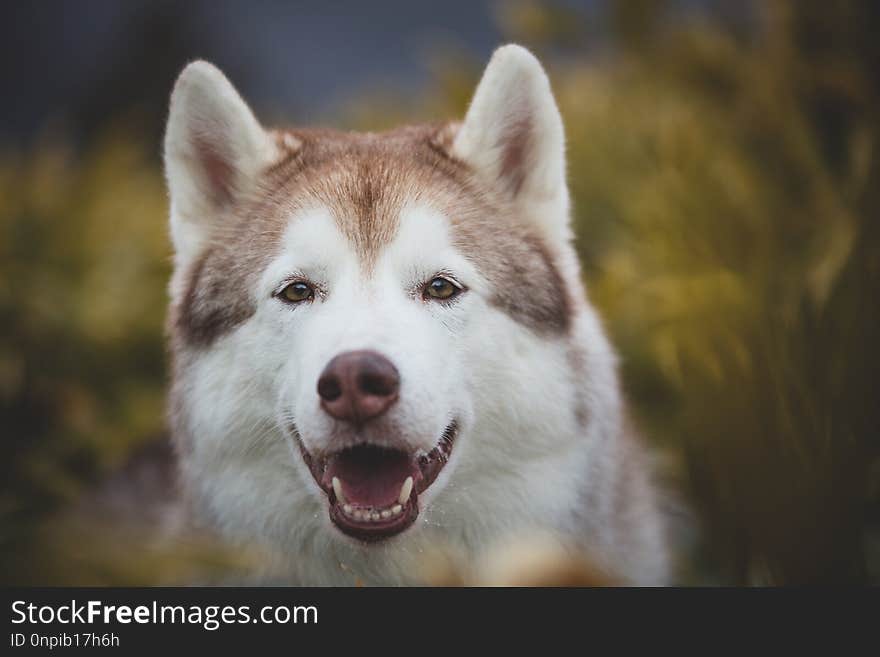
(381, 344)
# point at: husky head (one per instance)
(379, 334)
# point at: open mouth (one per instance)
(374, 491)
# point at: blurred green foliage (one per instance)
(726, 189)
(84, 264)
(726, 195)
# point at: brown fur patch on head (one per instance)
(365, 180)
(526, 283)
(216, 298)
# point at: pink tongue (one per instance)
(370, 476)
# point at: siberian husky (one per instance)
(381, 343)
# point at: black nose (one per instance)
(358, 385)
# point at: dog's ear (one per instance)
(214, 150)
(512, 133)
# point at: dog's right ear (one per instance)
(214, 151)
(513, 137)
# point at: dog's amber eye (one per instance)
(441, 288)
(296, 292)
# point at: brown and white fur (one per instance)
(518, 361)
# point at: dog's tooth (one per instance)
(337, 488)
(405, 490)
(396, 509)
(385, 514)
(358, 515)
(374, 517)
(347, 509)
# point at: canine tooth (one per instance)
(405, 490)
(347, 509)
(374, 517)
(358, 515)
(385, 514)
(337, 488)
(396, 509)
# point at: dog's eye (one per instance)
(296, 292)
(440, 288)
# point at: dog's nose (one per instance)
(358, 385)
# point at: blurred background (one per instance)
(726, 177)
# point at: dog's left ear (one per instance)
(513, 133)
(214, 150)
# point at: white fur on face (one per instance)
(381, 310)
(519, 440)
